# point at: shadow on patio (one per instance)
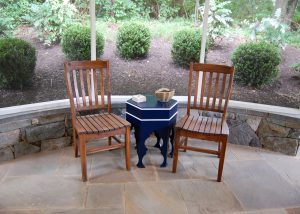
(254, 181)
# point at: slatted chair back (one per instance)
(81, 78)
(215, 90)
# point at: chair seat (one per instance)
(204, 125)
(99, 123)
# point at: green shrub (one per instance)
(76, 43)
(133, 40)
(186, 47)
(17, 63)
(256, 64)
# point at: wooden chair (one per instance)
(216, 87)
(86, 104)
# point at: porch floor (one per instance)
(255, 181)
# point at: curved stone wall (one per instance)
(46, 126)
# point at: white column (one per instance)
(93, 29)
(203, 42)
(93, 40)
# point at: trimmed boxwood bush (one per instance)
(17, 63)
(186, 47)
(133, 40)
(256, 64)
(76, 43)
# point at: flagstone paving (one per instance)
(255, 181)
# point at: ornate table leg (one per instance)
(164, 133)
(141, 148)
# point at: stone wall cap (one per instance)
(54, 106)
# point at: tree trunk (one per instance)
(288, 8)
(290, 11)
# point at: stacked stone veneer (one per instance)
(272, 132)
(49, 130)
(33, 135)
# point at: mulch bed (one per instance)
(155, 71)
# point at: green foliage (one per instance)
(251, 10)
(50, 18)
(11, 15)
(218, 18)
(133, 40)
(166, 11)
(159, 9)
(159, 29)
(170, 9)
(15, 10)
(17, 63)
(186, 47)
(293, 38)
(119, 9)
(296, 19)
(296, 66)
(167, 29)
(76, 43)
(256, 64)
(123, 9)
(6, 26)
(270, 30)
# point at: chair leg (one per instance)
(221, 161)
(219, 149)
(175, 157)
(75, 145)
(185, 142)
(109, 141)
(83, 157)
(127, 148)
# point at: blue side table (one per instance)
(151, 116)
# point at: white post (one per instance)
(203, 42)
(93, 29)
(93, 40)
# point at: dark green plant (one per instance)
(133, 40)
(256, 64)
(17, 63)
(76, 43)
(186, 47)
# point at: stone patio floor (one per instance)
(254, 181)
